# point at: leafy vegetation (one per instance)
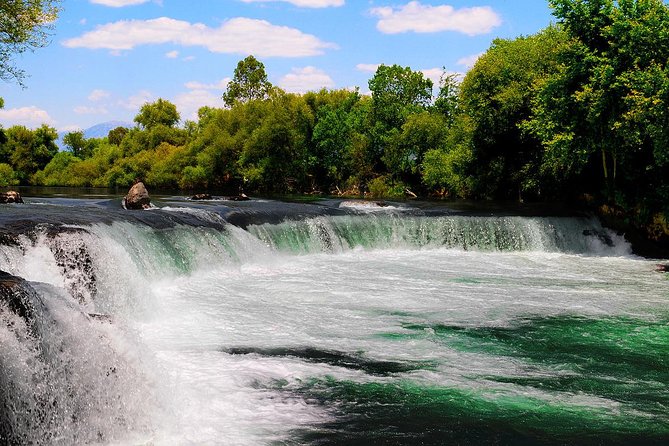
(579, 108)
(24, 26)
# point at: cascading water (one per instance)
(302, 324)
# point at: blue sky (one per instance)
(108, 57)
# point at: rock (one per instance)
(21, 299)
(409, 193)
(662, 268)
(138, 197)
(10, 197)
(240, 197)
(197, 197)
(602, 236)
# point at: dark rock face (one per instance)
(20, 298)
(10, 197)
(138, 197)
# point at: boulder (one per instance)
(198, 197)
(10, 197)
(241, 197)
(138, 197)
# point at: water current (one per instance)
(335, 323)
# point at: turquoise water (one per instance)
(361, 329)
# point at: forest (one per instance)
(577, 111)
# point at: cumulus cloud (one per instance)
(420, 18)
(28, 116)
(136, 101)
(304, 3)
(301, 80)
(172, 54)
(367, 67)
(118, 3)
(235, 36)
(434, 74)
(220, 85)
(469, 61)
(98, 95)
(188, 103)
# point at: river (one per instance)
(330, 323)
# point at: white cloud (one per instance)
(235, 36)
(28, 116)
(301, 80)
(220, 85)
(98, 95)
(118, 3)
(420, 18)
(367, 67)
(172, 54)
(469, 61)
(136, 101)
(434, 74)
(190, 102)
(87, 110)
(304, 3)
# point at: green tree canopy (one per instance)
(116, 135)
(24, 26)
(248, 83)
(397, 92)
(497, 95)
(610, 100)
(160, 112)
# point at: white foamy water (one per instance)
(214, 329)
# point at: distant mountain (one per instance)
(97, 131)
(102, 130)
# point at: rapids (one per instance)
(270, 323)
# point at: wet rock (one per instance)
(75, 262)
(662, 268)
(602, 236)
(10, 197)
(240, 197)
(21, 299)
(138, 197)
(198, 197)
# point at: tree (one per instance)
(497, 95)
(606, 111)
(157, 113)
(248, 83)
(30, 150)
(116, 135)
(447, 102)
(78, 144)
(24, 26)
(404, 154)
(398, 92)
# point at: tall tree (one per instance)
(606, 109)
(497, 95)
(398, 92)
(24, 26)
(157, 113)
(248, 83)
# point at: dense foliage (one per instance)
(580, 108)
(24, 26)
